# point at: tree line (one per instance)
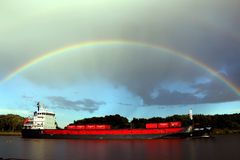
(226, 121)
(116, 121)
(11, 123)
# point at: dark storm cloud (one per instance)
(215, 91)
(139, 73)
(205, 93)
(206, 30)
(218, 51)
(85, 104)
(166, 97)
(233, 73)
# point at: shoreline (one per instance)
(10, 133)
(225, 131)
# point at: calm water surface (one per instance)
(220, 148)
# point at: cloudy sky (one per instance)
(135, 58)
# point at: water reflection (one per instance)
(101, 149)
(16, 147)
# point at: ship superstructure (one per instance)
(42, 119)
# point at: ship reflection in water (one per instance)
(130, 149)
(221, 147)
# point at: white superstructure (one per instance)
(42, 119)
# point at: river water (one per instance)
(219, 148)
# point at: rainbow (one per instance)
(100, 43)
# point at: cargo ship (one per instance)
(43, 125)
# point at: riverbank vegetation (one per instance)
(10, 124)
(116, 121)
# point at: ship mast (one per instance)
(40, 106)
(190, 114)
(190, 128)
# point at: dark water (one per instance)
(219, 148)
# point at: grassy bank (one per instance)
(10, 133)
(225, 131)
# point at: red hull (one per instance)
(113, 131)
